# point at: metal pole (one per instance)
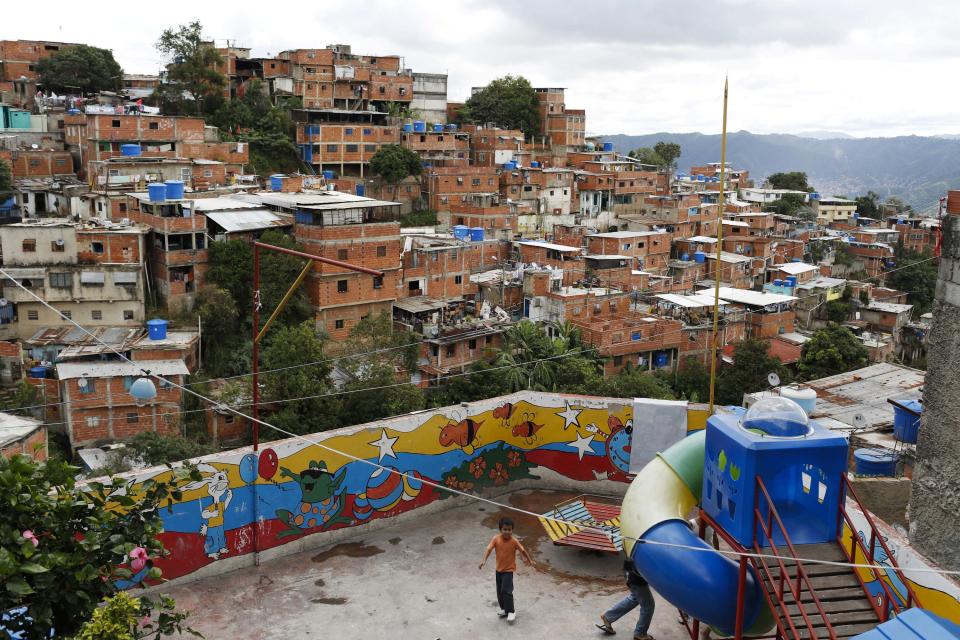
(283, 301)
(718, 269)
(741, 587)
(255, 393)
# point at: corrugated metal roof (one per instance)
(913, 624)
(796, 268)
(109, 369)
(865, 392)
(752, 298)
(246, 220)
(549, 245)
(13, 428)
(116, 337)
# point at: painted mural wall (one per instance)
(935, 592)
(343, 478)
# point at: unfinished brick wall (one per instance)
(38, 163)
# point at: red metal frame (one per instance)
(889, 599)
(796, 586)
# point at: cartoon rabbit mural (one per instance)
(217, 483)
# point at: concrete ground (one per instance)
(419, 580)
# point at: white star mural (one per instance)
(385, 445)
(570, 416)
(582, 445)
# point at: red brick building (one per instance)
(20, 435)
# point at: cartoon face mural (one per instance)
(213, 512)
(618, 444)
(321, 502)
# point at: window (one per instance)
(352, 148)
(133, 418)
(475, 182)
(123, 207)
(338, 324)
(489, 339)
(115, 124)
(457, 279)
(29, 246)
(331, 148)
(228, 419)
(382, 251)
(341, 286)
(33, 315)
(341, 254)
(154, 125)
(368, 132)
(378, 282)
(67, 314)
(451, 349)
(472, 344)
(105, 146)
(481, 157)
(348, 131)
(383, 89)
(96, 314)
(128, 314)
(370, 148)
(617, 361)
(96, 247)
(88, 386)
(61, 280)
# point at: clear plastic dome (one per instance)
(776, 416)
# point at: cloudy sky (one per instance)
(867, 68)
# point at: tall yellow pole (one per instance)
(717, 268)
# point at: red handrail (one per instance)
(890, 600)
(802, 580)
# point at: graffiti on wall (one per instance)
(293, 488)
(935, 592)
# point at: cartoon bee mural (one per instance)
(463, 434)
(527, 430)
(504, 412)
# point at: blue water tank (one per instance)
(328, 174)
(796, 260)
(608, 146)
(814, 196)
(276, 182)
(174, 189)
(73, 112)
(419, 126)
(791, 281)
(870, 461)
(157, 329)
(407, 127)
(461, 231)
(130, 150)
(157, 191)
(476, 234)
(534, 164)
(38, 372)
(359, 190)
(699, 257)
(451, 127)
(778, 282)
(437, 128)
(661, 360)
(701, 177)
(905, 424)
(685, 257)
(855, 215)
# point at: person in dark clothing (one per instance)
(639, 596)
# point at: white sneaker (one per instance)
(501, 613)
(511, 616)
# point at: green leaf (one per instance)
(32, 567)
(18, 587)
(722, 460)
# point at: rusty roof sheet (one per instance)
(865, 392)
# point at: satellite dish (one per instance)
(58, 242)
(859, 421)
(773, 379)
(34, 146)
(3, 302)
(82, 382)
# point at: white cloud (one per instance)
(865, 67)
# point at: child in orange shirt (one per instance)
(506, 547)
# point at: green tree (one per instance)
(193, 65)
(869, 205)
(646, 155)
(483, 381)
(231, 267)
(6, 178)
(748, 373)
(509, 102)
(123, 617)
(65, 547)
(832, 350)
(579, 375)
(394, 163)
(155, 449)
(220, 320)
(80, 68)
(691, 380)
(372, 341)
(291, 346)
(378, 392)
(915, 273)
(635, 383)
(838, 311)
(789, 204)
(794, 180)
(669, 153)
(25, 395)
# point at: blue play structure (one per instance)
(913, 624)
(799, 462)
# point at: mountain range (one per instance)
(916, 169)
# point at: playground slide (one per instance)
(701, 583)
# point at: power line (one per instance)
(441, 487)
